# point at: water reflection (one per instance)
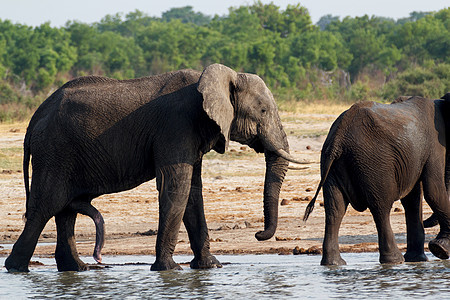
(415, 280)
(190, 282)
(245, 276)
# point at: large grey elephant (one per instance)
(376, 154)
(97, 135)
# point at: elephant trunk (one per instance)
(276, 168)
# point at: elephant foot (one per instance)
(396, 258)
(165, 265)
(14, 267)
(333, 261)
(415, 256)
(440, 247)
(68, 262)
(208, 262)
(77, 267)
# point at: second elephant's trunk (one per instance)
(276, 168)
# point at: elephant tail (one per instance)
(331, 151)
(325, 167)
(26, 164)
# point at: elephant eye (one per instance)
(263, 110)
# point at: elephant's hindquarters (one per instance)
(342, 177)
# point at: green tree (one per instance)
(425, 39)
(320, 49)
(365, 39)
(133, 23)
(324, 21)
(55, 54)
(294, 19)
(413, 17)
(186, 15)
(121, 57)
(237, 19)
(171, 45)
(3, 68)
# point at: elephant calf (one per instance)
(375, 154)
(97, 135)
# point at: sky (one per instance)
(58, 12)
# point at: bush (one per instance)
(14, 104)
(432, 82)
(359, 91)
(8, 94)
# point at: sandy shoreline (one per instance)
(233, 185)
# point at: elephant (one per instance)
(375, 154)
(96, 135)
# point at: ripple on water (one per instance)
(243, 276)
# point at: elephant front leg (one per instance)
(173, 182)
(66, 253)
(415, 233)
(335, 207)
(195, 223)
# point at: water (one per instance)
(243, 276)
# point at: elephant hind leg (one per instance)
(435, 194)
(174, 184)
(24, 247)
(389, 252)
(415, 233)
(66, 254)
(335, 207)
(195, 223)
(41, 206)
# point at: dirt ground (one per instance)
(233, 187)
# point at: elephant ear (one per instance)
(216, 84)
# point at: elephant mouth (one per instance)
(256, 145)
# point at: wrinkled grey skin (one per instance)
(376, 154)
(97, 135)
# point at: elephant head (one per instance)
(245, 110)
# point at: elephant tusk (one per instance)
(297, 168)
(282, 153)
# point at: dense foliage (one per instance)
(347, 60)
